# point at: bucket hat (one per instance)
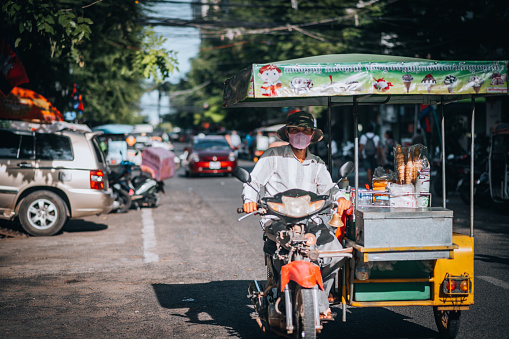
(300, 119)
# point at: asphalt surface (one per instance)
(182, 271)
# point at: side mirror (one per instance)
(345, 170)
(241, 174)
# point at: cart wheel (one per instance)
(448, 322)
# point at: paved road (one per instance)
(182, 271)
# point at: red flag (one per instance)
(12, 71)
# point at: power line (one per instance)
(232, 5)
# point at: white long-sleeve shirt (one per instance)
(279, 170)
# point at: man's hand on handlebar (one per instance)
(250, 207)
(343, 205)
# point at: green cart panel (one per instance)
(392, 291)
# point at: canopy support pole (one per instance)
(444, 189)
(356, 147)
(472, 156)
(329, 132)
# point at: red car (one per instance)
(210, 154)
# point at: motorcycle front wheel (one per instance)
(304, 313)
(124, 201)
(155, 200)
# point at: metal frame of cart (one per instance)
(359, 79)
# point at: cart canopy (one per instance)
(376, 79)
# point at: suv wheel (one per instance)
(42, 213)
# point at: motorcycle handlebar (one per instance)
(333, 204)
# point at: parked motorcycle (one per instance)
(482, 195)
(118, 181)
(455, 167)
(142, 190)
(145, 191)
(287, 303)
(457, 170)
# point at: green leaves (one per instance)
(98, 45)
(152, 61)
(34, 23)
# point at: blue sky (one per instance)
(183, 40)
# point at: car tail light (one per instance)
(454, 284)
(96, 180)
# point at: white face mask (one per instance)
(300, 140)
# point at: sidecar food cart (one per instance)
(402, 256)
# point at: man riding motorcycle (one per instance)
(292, 166)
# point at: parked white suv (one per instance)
(46, 178)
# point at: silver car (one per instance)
(46, 178)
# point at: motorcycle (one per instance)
(143, 190)
(118, 183)
(454, 171)
(482, 194)
(457, 170)
(287, 304)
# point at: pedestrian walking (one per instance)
(370, 150)
(388, 151)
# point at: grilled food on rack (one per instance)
(409, 169)
(400, 163)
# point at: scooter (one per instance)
(142, 189)
(118, 183)
(454, 170)
(482, 195)
(287, 303)
(145, 191)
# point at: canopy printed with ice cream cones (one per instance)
(24, 104)
(379, 78)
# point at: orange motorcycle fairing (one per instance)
(304, 273)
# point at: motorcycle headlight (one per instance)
(231, 157)
(296, 207)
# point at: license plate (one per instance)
(214, 165)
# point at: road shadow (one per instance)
(492, 259)
(80, 225)
(221, 303)
(71, 226)
(376, 322)
(224, 303)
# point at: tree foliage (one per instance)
(442, 30)
(100, 46)
(261, 32)
(237, 33)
